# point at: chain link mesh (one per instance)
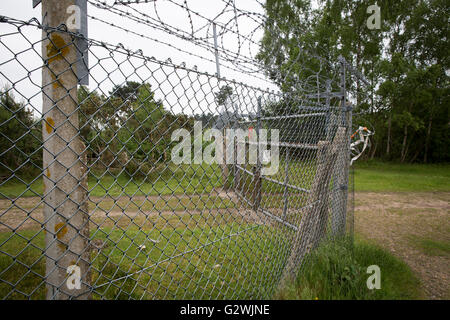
(89, 181)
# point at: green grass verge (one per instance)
(222, 262)
(430, 247)
(336, 271)
(369, 176)
(171, 179)
(388, 177)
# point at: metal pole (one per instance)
(342, 169)
(257, 175)
(216, 50)
(328, 107)
(286, 183)
(237, 171)
(65, 194)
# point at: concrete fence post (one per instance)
(65, 187)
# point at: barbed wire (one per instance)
(235, 60)
(227, 66)
(158, 24)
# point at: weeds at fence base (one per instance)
(337, 271)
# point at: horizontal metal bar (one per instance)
(286, 184)
(325, 95)
(316, 109)
(245, 170)
(267, 213)
(287, 117)
(274, 181)
(285, 144)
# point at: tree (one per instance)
(225, 93)
(405, 62)
(127, 92)
(20, 137)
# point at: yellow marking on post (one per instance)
(57, 83)
(49, 124)
(63, 246)
(61, 230)
(57, 48)
(48, 173)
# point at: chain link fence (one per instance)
(106, 190)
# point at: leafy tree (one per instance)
(127, 92)
(405, 62)
(224, 93)
(20, 137)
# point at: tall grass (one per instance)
(338, 271)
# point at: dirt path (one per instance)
(416, 228)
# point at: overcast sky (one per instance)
(24, 71)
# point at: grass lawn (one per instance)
(172, 179)
(391, 177)
(216, 260)
(185, 179)
(369, 176)
(407, 214)
(431, 247)
(222, 262)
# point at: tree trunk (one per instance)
(374, 150)
(389, 135)
(415, 156)
(405, 137)
(427, 139)
(406, 151)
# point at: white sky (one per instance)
(178, 99)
